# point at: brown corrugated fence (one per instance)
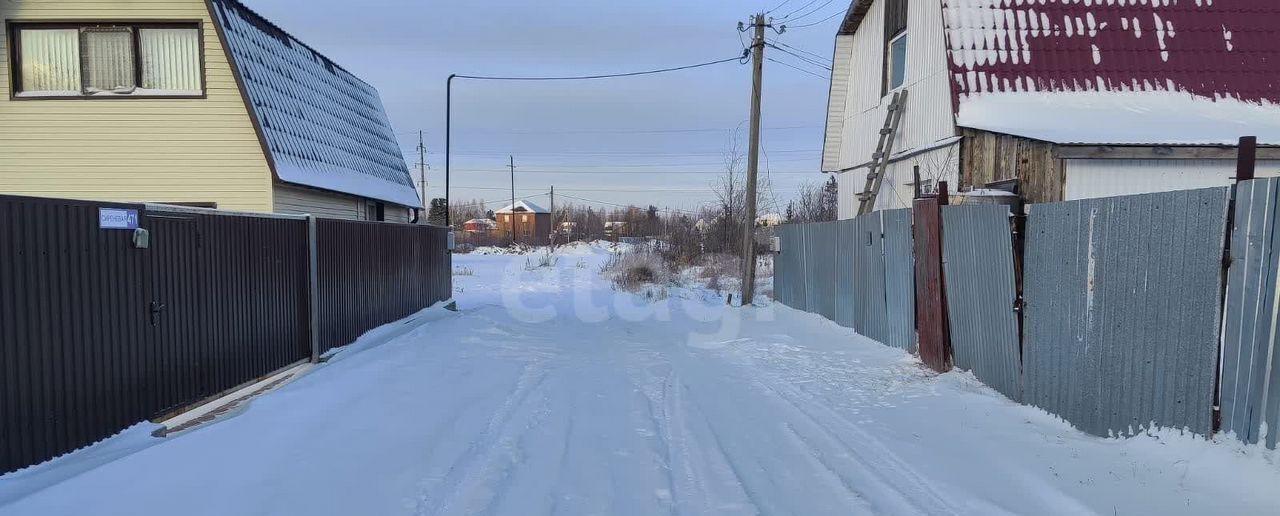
(97, 334)
(374, 273)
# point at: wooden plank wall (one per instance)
(988, 157)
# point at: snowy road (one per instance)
(549, 393)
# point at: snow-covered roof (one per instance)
(1127, 118)
(323, 127)
(1194, 72)
(1211, 49)
(523, 207)
(482, 222)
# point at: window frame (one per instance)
(14, 26)
(888, 63)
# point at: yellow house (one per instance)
(195, 102)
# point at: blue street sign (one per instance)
(115, 218)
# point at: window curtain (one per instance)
(108, 59)
(170, 59)
(50, 61)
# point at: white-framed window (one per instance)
(896, 61)
(524, 218)
(107, 60)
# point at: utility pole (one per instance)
(422, 174)
(553, 218)
(753, 163)
(448, 144)
(513, 198)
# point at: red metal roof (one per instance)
(1211, 48)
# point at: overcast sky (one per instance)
(656, 139)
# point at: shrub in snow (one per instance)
(638, 271)
(544, 259)
(720, 271)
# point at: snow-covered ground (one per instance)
(550, 393)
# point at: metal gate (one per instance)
(1123, 310)
(977, 261)
(1250, 385)
(99, 334)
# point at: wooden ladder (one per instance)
(880, 159)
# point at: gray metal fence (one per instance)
(1250, 384)
(977, 257)
(899, 278)
(1122, 309)
(789, 282)
(856, 272)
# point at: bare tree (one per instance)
(460, 212)
(725, 235)
(816, 203)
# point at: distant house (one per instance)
(613, 230)
(525, 222)
(1062, 100)
(196, 102)
(769, 220)
(568, 229)
(480, 226)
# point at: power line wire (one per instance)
(614, 204)
(801, 8)
(837, 13)
(808, 60)
(779, 6)
(797, 68)
(810, 13)
(797, 49)
(616, 154)
(629, 173)
(601, 76)
(651, 165)
(622, 131)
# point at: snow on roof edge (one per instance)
(1121, 118)
(349, 182)
(529, 208)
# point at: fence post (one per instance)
(1247, 158)
(931, 306)
(313, 288)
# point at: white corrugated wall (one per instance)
(942, 164)
(841, 65)
(928, 118)
(1093, 178)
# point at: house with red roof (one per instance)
(1059, 100)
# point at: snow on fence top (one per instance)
(1126, 49)
(323, 126)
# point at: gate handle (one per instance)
(156, 308)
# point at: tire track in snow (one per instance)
(867, 454)
(692, 467)
(689, 494)
(476, 461)
(761, 505)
